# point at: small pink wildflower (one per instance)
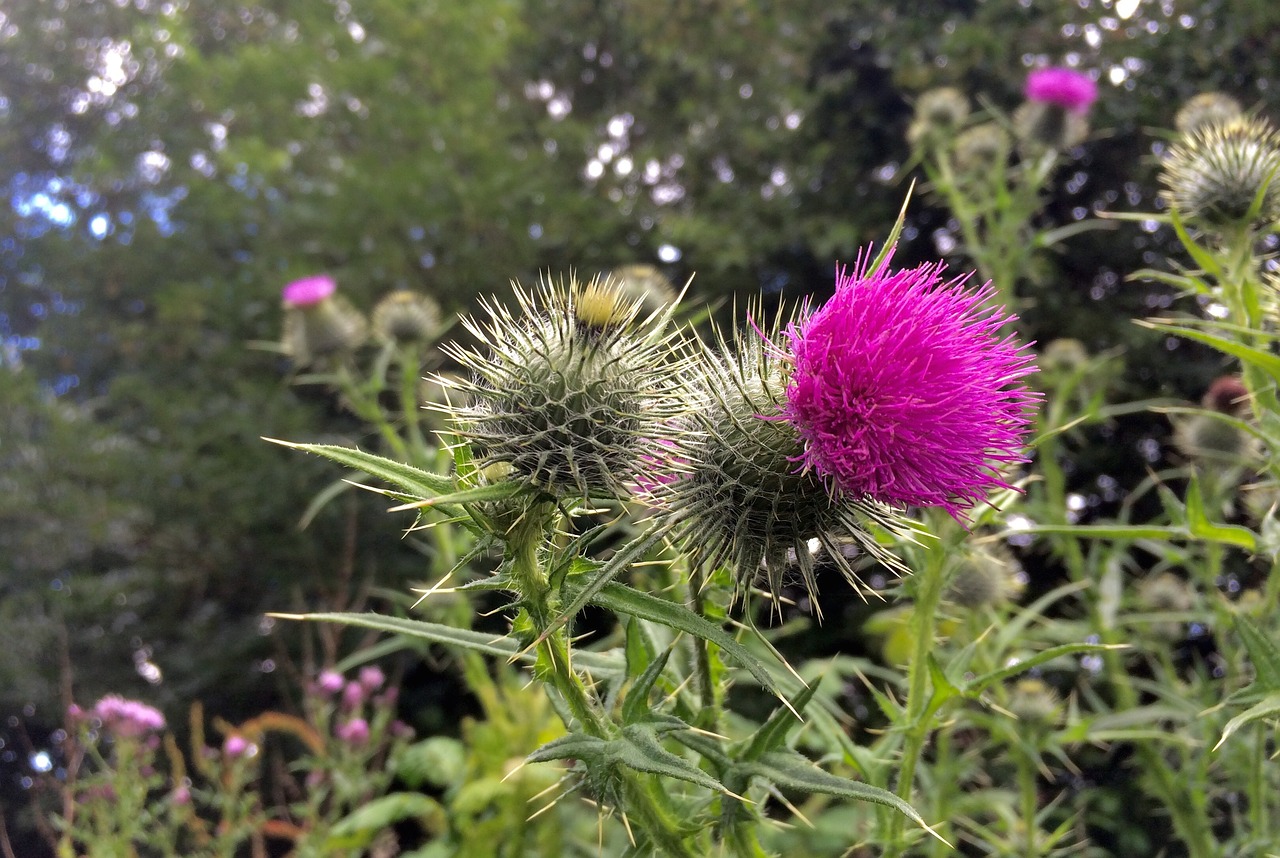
(353, 695)
(309, 291)
(372, 678)
(330, 682)
(1067, 88)
(354, 732)
(904, 390)
(127, 718)
(236, 746)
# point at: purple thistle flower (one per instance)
(904, 390)
(329, 682)
(1067, 88)
(355, 732)
(372, 678)
(237, 746)
(308, 291)
(127, 718)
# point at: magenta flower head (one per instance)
(904, 390)
(1067, 88)
(237, 746)
(372, 678)
(127, 718)
(354, 732)
(308, 291)
(329, 682)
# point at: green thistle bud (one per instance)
(988, 575)
(741, 499)
(406, 317)
(1214, 176)
(572, 392)
(1035, 703)
(1208, 439)
(981, 149)
(939, 114)
(1063, 356)
(1049, 125)
(1207, 108)
(1162, 594)
(325, 329)
(645, 284)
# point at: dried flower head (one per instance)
(905, 390)
(573, 391)
(1207, 108)
(1225, 174)
(938, 116)
(405, 316)
(1063, 87)
(738, 498)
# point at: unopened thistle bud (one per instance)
(406, 317)
(981, 149)
(1034, 702)
(1166, 593)
(319, 323)
(1207, 108)
(939, 114)
(645, 284)
(1207, 439)
(1214, 176)
(570, 390)
(987, 575)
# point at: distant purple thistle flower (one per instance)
(1067, 88)
(353, 695)
(308, 291)
(236, 746)
(127, 718)
(330, 682)
(354, 732)
(372, 678)
(905, 391)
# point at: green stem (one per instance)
(1030, 800)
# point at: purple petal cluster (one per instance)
(308, 291)
(127, 718)
(1067, 88)
(905, 390)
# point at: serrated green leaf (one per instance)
(1266, 361)
(602, 664)
(585, 593)
(981, 683)
(575, 746)
(640, 749)
(622, 599)
(479, 494)
(1268, 708)
(1264, 654)
(1203, 258)
(636, 704)
(381, 813)
(773, 733)
(1200, 526)
(413, 480)
(790, 770)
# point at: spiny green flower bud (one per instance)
(406, 317)
(1207, 108)
(1213, 176)
(1049, 125)
(1166, 593)
(571, 391)
(645, 284)
(742, 500)
(981, 149)
(1208, 439)
(987, 575)
(1034, 702)
(939, 114)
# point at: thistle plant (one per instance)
(991, 168)
(767, 451)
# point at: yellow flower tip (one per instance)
(601, 304)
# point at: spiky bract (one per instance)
(324, 328)
(939, 114)
(1214, 176)
(740, 501)
(906, 389)
(405, 316)
(1207, 108)
(572, 390)
(1050, 125)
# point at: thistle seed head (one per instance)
(939, 114)
(1207, 108)
(405, 316)
(572, 390)
(1214, 175)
